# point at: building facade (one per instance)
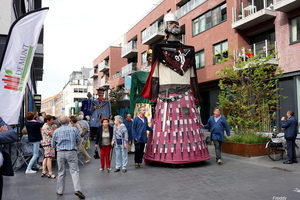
(215, 27)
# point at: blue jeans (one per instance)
(121, 157)
(35, 148)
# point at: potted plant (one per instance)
(249, 94)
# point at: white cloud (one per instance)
(77, 31)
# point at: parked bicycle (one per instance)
(276, 146)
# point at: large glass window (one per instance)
(200, 59)
(144, 57)
(209, 19)
(220, 51)
(295, 29)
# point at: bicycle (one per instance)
(276, 146)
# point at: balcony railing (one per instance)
(188, 7)
(93, 73)
(153, 33)
(130, 50)
(249, 14)
(286, 5)
(118, 74)
(104, 82)
(129, 69)
(259, 49)
(103, 66)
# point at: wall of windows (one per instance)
(209, 19)
(220, 51)
(80, 90)
(200, 59)
(295, 30)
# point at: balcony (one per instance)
(188, 7)
(130, 50)
(286, 5)
(104, 82)
(103, 66)
(260, 50)
(93, 73)
(153, 33)
(250, 15)
(129, 69)
(118, 74)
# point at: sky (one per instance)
(76, 32)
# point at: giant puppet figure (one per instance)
(101, 108)
(177, 136)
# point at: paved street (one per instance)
(237, 178)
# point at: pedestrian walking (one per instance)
(66, 139)
(128, 123)
(139, 134)
(290, 126)
(103, 141)
(34, 136)
(217, 124)
(120, 139)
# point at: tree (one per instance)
(114, 96)
(249, 92)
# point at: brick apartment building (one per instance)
(213, 26)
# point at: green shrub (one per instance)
(248, 138)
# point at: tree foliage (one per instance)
(249, 92)
(115, 95)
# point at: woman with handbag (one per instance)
(103, 140)
(120, 140)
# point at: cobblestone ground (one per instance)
(237, 178)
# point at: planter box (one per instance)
(246, 150)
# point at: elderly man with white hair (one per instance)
(120, 140)
(66, 139)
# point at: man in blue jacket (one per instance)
(139, 134)
(7, 136)
(217, 124)
(290, 133)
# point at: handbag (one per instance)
(96, 154)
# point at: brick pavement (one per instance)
(237, 178)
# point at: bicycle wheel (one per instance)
(275, 153)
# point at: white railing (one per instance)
(118, 74)
(248, 8)
(131, 67)
(129, 47)
(153, 29)
(103, 65)
(104, 81)
(188, 7)
(260, 49)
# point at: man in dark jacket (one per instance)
(139, 135)
(7, 136)
(290, 133)
(217, 124)
(128, 123)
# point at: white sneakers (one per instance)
(29, 171)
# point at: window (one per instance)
(200, 59)
(220, 51)
(295, 29)
(144, 57)
(209, 19)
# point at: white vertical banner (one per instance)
(16, 63)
